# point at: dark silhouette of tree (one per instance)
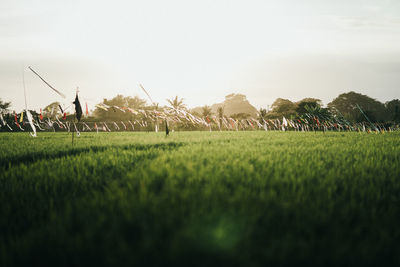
(316, 111)
(393, 110)
(369, 114)
(346, 104)
(4, 106)
(310, 102)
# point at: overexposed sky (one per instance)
(199, 50)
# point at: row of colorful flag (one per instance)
(176, 118)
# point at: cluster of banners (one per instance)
(152, 119)
(312, 121)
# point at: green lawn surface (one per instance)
(251, 198)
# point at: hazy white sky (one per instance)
(199, 50)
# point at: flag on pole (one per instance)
(16, 119)
(78, 108)
(2, 120)
(29, 116)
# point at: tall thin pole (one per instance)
(73, 130)
(55, 90)
(23, 82)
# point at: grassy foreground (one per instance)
(200, 198)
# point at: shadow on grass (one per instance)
(8, 162)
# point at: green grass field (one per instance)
(200, 198)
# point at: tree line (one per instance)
(353, 107)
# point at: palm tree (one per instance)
(176, 103)
(206, 111)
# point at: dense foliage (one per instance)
(345, 105)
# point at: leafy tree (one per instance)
(322, 114)
(310, 102)
(4, 106)
(393, 110)
(369, 114)
(282, 107)
(176, 103)
(346, 104)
